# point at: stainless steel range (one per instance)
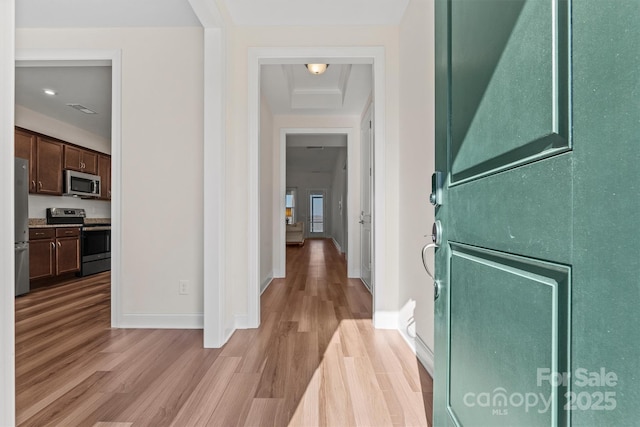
(95, 239)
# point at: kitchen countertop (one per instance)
(42, 223)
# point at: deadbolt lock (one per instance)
(435, 198)
(436, 232)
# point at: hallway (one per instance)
(315, 360)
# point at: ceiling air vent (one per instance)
(82, 108)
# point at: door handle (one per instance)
(436, 237)
(361, 221)
(436, 283)
(424, 259)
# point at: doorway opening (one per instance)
(373, 56)
(89, 60)
(302, 174)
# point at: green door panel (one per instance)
(526, 210)
(606, 302)
(537, 129)
(509, 84)
(496, 347)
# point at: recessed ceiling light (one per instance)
(49, 92)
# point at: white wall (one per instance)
(162, 168)
(338, 206)
(268, 184)
(416, 166)
(31, 120)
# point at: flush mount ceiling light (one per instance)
(317, 68)
(49, 92)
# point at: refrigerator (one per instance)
(22, 226)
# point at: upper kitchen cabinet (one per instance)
(104, 170)
(49, 155)
(25, 148)
(80, 160)
(45, 161)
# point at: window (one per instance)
(316, 200)
(290, 205)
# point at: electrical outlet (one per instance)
(183, 287)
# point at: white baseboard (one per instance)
(336, 245)
(386, 319)
(229, 329)
(162, 321)
(265, 284)
(238, 321)
(241, 321)
(421, 350)
(425, 355)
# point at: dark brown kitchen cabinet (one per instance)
(104, 170)
(53, 251)
(48, 157)
(42, 252)
(67, 250)
(25, 148)
(80, 160)
(45, 161)
(48, 166)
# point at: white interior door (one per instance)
(317, 213)
(366, 132)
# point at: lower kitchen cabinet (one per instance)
(67, 250)
(42, 253)
(53, 251)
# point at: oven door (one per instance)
(96, 250)
(96, 244)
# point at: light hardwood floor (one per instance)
(314, 361)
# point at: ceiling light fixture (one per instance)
(49, 92)
(317, 68)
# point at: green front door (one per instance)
(538, 138)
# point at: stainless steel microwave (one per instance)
(81, 184)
